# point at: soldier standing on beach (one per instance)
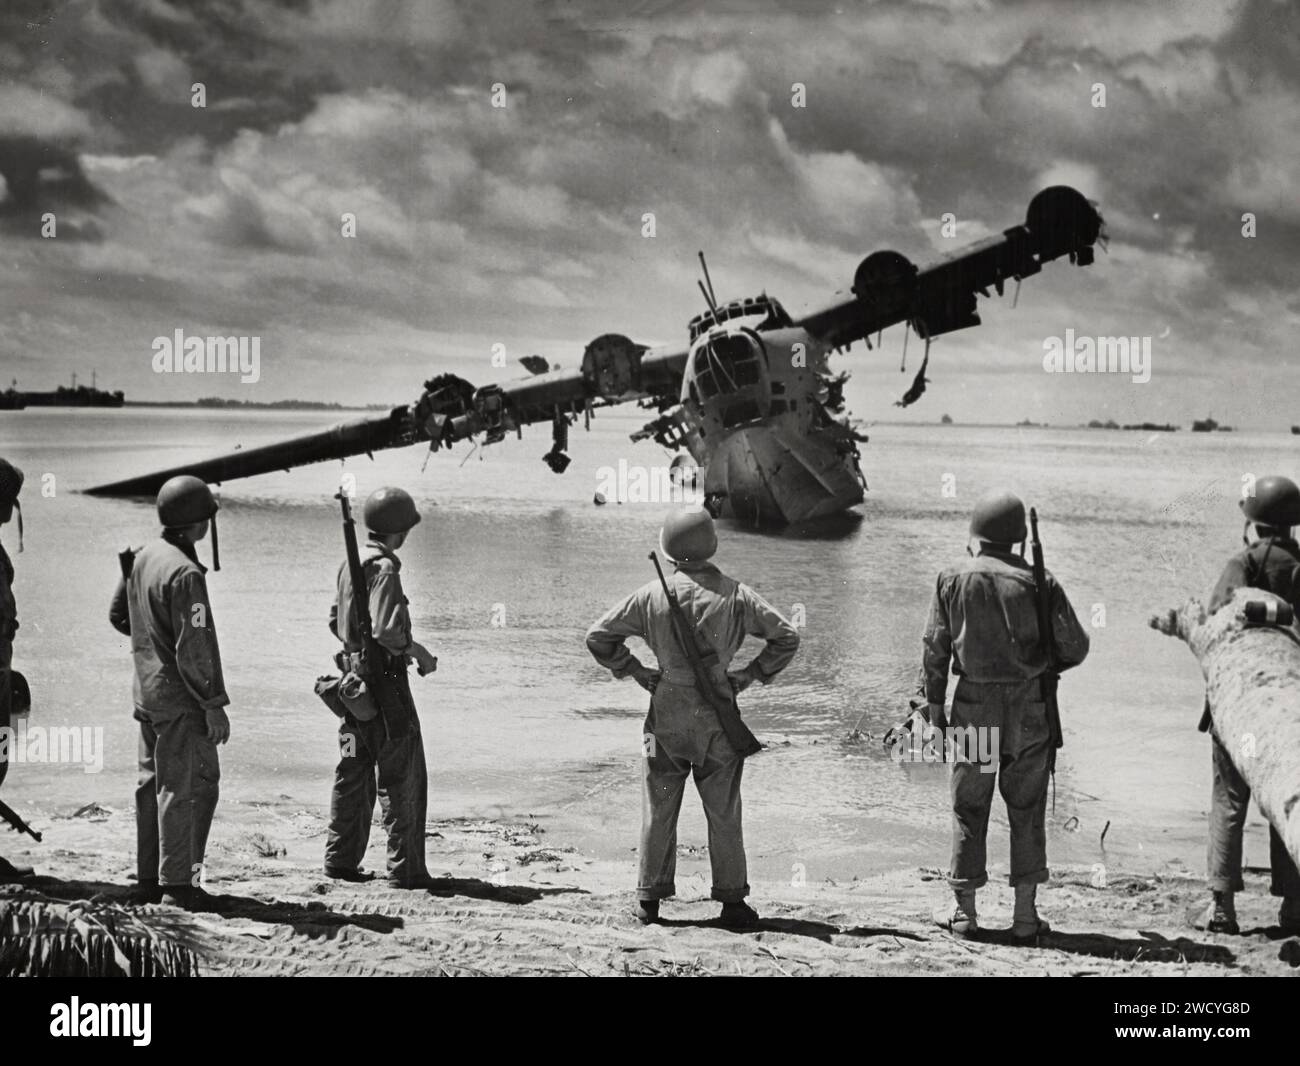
(384, 757)
(180, 695)
(682, 730)
(11, 484)
(1270, 562)
(984, 623)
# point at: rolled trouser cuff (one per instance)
(730, 895)
(1226, 884)
(656, 892)
(1037, 877)
(962, 884)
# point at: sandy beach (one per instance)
(512, 899)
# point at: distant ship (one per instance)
(77, 396)
(1204, 425)
(1295, 430)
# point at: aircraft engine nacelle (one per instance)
(885, 280)
(611, 366)
(1061, 220)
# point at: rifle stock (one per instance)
(8, 814)
(738, 734)
(372, 654)
(1051, 679)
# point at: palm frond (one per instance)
(41, 936)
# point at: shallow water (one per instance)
(512, 563)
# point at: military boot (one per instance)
(1288, 915)
(1218, 916)
(962, 921)
(1027, 925)
(647, 911)
(738, 916)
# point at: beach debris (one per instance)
(1103, 832)
(95, 812)
(555, 855)
(261, 844)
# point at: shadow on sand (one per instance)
(473, 888)
(1150, 947)
(313, 918)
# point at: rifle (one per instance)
(9, 815)
(372, 654)
(1050, 679)
(704, 665)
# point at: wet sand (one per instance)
(511, 898)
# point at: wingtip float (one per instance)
(751, 397)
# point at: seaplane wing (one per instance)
(939, 298)
(614, 370)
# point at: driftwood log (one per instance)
(1252, 677)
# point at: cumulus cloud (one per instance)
(525, 224)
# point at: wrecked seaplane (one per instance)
(751, 397)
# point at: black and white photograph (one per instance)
(447, 445)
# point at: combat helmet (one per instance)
(186, 500)
(1275, 503)
(999, 517)
(389, 511)
(688, 535)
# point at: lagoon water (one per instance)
(513, 562)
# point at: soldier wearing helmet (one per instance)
(382, 758)
(984, 625)
(11, 484)
(684, 737)
(180, 695)
(1271, 561)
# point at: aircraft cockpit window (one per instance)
(736, 361)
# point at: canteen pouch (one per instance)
(327, 688)
(353, 691)
(356, 697)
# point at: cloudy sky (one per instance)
(522, 225)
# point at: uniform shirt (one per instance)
(984, 621)
(722, 611)
(8, 609)
(1279, 574)
(164, 608)
(390, 618)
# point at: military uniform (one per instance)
(164, 608)
(382, 758)
(687, 737)
(8, 628)
(11, 483)
(983, 622)
(1273, 565)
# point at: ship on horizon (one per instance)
(14, 399)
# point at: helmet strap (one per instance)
(216, 555)
(19, 508)
(1245, 533)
